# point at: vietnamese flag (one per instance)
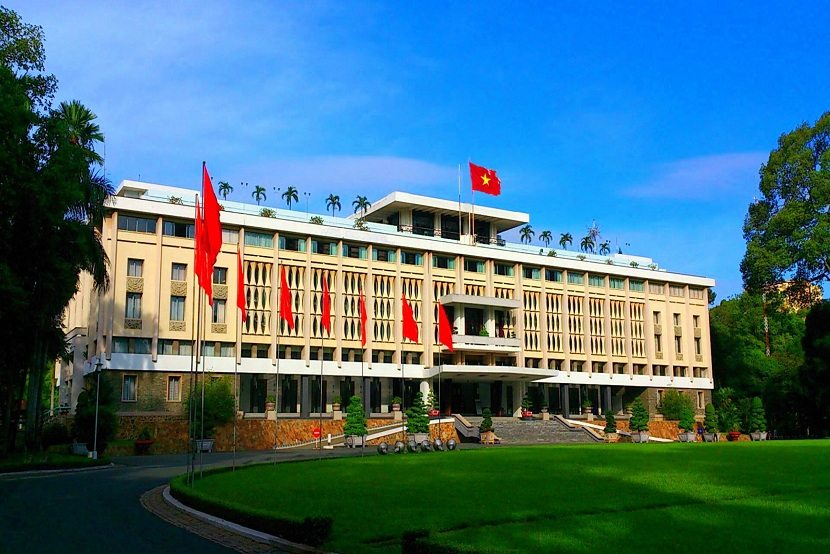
(200, 257)
(363, 318)
(212, 226)
(240, 284)
(326, 306)
(286, 313)
(444, 328)
(410, 326)
(485, 180)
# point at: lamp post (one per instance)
(307, 196)
(98, 367)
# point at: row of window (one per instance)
(129, 388)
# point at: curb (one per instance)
(36, 472)
(247, 532)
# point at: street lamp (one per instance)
(98, 367)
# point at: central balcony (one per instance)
(475, 343)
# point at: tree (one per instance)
(417, 418)
(23, 53)
(610, 422)
(565, 239)
(710, 419)
(674, 403)
(333, 203)
(605, 248)
(757, 419)
(486, 421)
(545, 237)
(686, 421)
(219, 406)
(787, 231)
(814, 374)
(290, 195)
(225, 189)
(361, 205)
(355, 418)
(526, 233)
(82, 128)
(587, 244)
(85, 415)
(259, 194)
(639, 416)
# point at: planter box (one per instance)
(758, 436)
(733, 436)
(710, 437)
(488, 437)
(142, 446)
(354, 441)
(612, 437)
(204, 445)
(687, 437)
(641, 436)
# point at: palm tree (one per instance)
(332, 203)
(290, 195)
(81, 126)
(605, 248)
(545, 237)
(225, 189)
(361, 204)
(526, 234)
(258, 194)
(587, 244)
(565, 239)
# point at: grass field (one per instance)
(759, 497)
(46, 460)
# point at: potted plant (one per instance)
(588, 407)
(270, 403)
(610, 427)
(710, 424)
(417, 420)
(687, 424)
(143, 442)
(396, 403)
(433, 406)
(639, 421)
(355, 427)
(527, 411)
(729, 420)
(483, 332)
(218, 410)
(757, 421)
(335, 404)
(485, 428)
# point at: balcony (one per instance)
(475, 343)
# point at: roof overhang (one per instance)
(473, 300)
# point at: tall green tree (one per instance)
(290, 196)
(787, 230)
(545, 237)
(333, 203)
(815, 372)
(361, 205)
(258, 194)
(225, 189)
(565, 239)
(526, 234)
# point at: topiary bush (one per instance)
(487, 421)
(674, 405)
(757, 418)
(687, 419)
(639, 416)
(417, 418)
(355, 418)
(610, 423)
(219, 406)
(710, 419)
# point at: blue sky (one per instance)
(650, 118)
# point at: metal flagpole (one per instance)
(362, 386)
(440, 435)
(320, 403)
(460, 225)
(277, 397)
(235, 408)
(202, 431)
(191, 384)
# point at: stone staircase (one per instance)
(515, 431)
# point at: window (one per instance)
(474, 266)
(443, 262)
(658, 344)
(656, 316)
(655, 288)
(676, 319)
(354, 251)
(294, 244)
(675, 290)
(133, 310)
(140, 346)
(596, 280)
(678, 344)
(218, 311)
(696, 294)
(532, 273)
(696, 321)
(553, 275)
(136, 224)
(636, 285)
(701, 400)
(576, 366)
(179, 272)
(411, 258)
(261, 240)
(174, 388)
(120, 345)
(383, 255)
(177, 308)
(324, 247)
(220, 275)
(128, 388)
(178, 229)
(185, 349)
(698, 348)
(228, 350)
(503, 269)
(616, 283)
(230, 236)
(135, 268)
(576, 278)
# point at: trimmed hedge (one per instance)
(312, 531)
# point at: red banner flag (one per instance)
(286, 313)
(240, 284)
(363, 318)
(485, 180)
(410, 326)
(199, 256)
(212, 226)
(326, 306)
(444, 328)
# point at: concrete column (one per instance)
(566, 400)
(305, 396)
(606, 399)
(425, 388)
(367, 402)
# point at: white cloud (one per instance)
(703, 177)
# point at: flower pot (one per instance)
(204, 445)
(434, 414)
(142, 446)
(758, 436)
(527, 415)
(396, 407)
(710, 437)
(270, 406)
(733, 436)
(639, 436)
(488, 437)
(335, 407)
(612, 437)
(687, 436)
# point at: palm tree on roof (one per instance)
(225, 189)
(587, 244)
(565, 239)
(290, 195)
(258, 194)
(362, 205)
(545, 237)
(605, 248)
(526, 233)
(333, 203)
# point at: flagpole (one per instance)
(202, 432)
(191, 383)
(459, 203)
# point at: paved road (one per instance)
(99, 511)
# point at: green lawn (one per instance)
(46, 460)
(772, 496)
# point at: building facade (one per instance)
(556, 326)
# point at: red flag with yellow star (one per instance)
(485, 180)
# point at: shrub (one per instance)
(417, 419)
(85, 415)
(316, 219)
(674, 404)
(396, 400)
(757, 418)
(355, 418)
(219, 405)
(361, 224)
(432, 400)
(687, 419)
(487, 421)
(54, 433)
(639, 416)
(710, 420)
(610, 423)
(526, 403)
(267, 212)
(728, 415)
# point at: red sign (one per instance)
(316, 433)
